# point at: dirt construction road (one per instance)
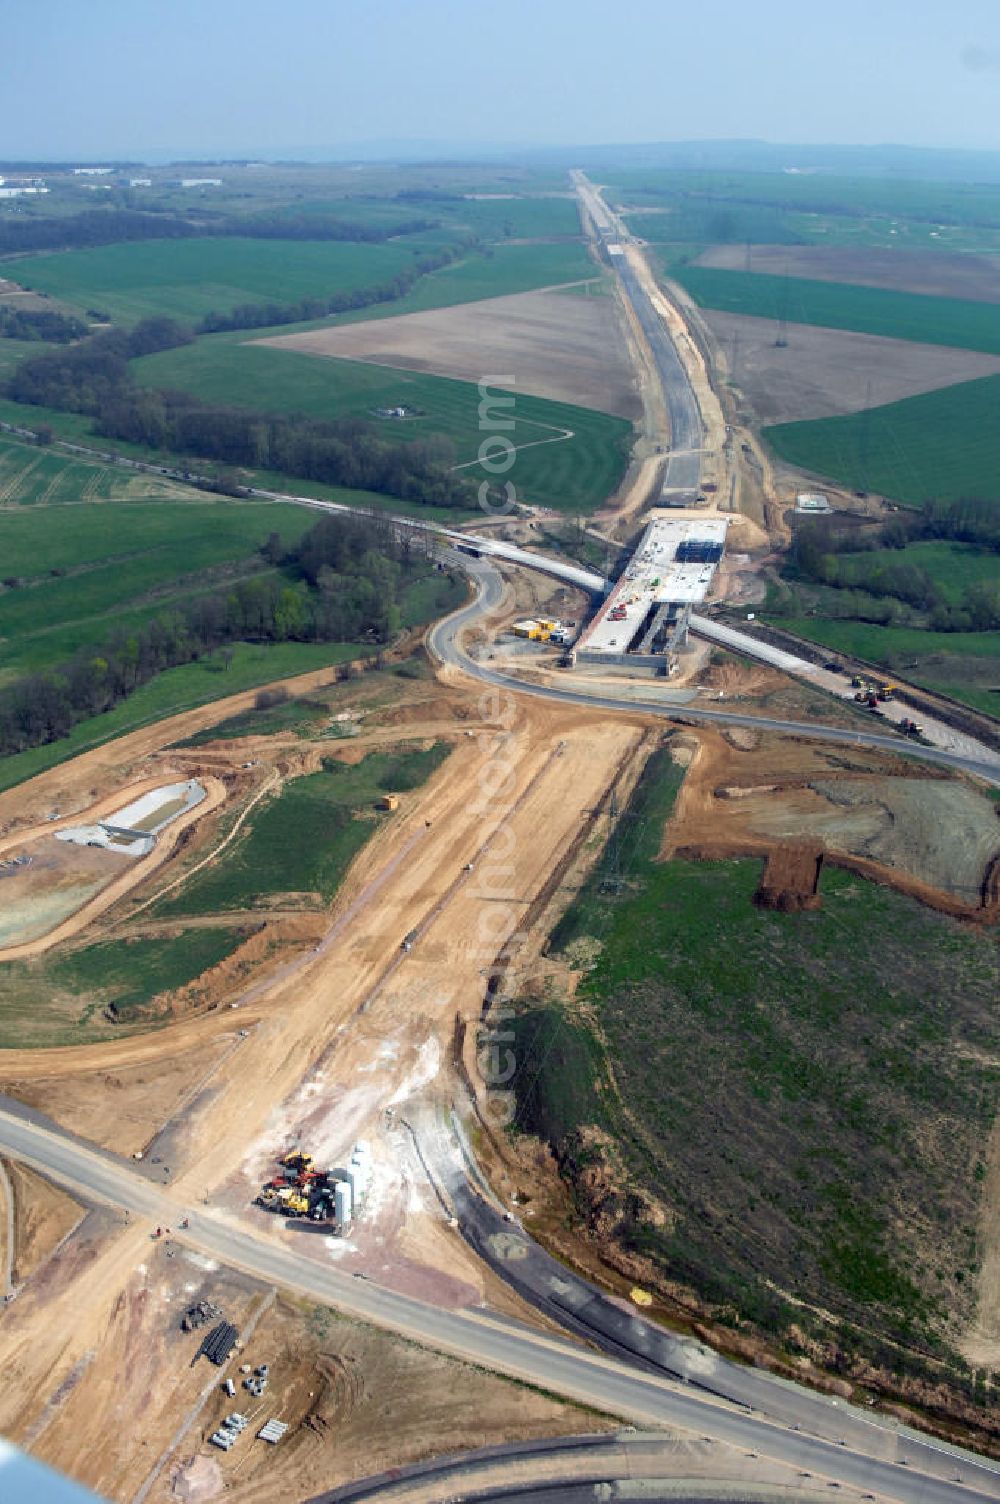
(306, 1063)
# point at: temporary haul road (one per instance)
(919, 1472)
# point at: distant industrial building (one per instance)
(92, 172)
(140, 182)
(197, 183)
(21, 186)
(644, 620)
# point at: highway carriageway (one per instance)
(921, 1474)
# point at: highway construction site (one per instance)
(262, 1239)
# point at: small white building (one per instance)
(809, 503)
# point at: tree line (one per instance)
(864, 564)
(40, 324)
(93, 377)
(341, 583)
(264, 315)
(94, 227)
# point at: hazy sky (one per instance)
(92, 78)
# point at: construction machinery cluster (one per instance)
(873, 693)
(332, 1196)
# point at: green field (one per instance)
(185, 279)
(178, 689)
(31, 485)
(514, 218)
(303, 841)
(59, 999)
(13, 351)
(503, 270)
(314, 718)
(84, 571)
(956, 322)
(788, 208)
(943, 444)
(574, 475)
(952, 566)
(31, 474)
(965, 665)
(789, 1131)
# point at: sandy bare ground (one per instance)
(123, 1108)
(938, 274)
(120, 875)
(43, 1215)
(824, 372)
(750, 793)
(568, 348)
(357, 1401)
(318, 1025)
(946, 834)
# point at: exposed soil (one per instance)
(757, 689)
(108, 1419)
(755, 794)
(824, 372)
(43, 1216)
(937, 274)
(947, 834)
(357, 1402)
(332, 1039)
(67, 886)
(790, 880)
(123, 1108)
(569, 349)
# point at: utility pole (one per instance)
(864, 439)
(782, 340)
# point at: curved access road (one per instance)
(444, 640)
(895, 1465)
(577, 1470)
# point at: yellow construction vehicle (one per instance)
(298, 1161)
(297, 1205)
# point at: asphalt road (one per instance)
(444, 643)
(684, 462)
(591, 1468)
(496, 1343)
(683, 473)
(619, 1330)
(593, 583)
